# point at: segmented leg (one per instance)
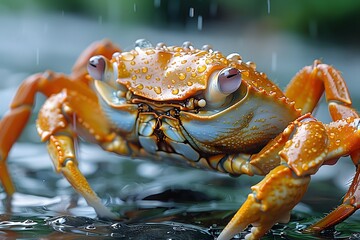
(61, 149)
(15, 120)
(347, 138)
(56, 124)
(305, 145)
(234, 164)
(306, 88)
(309, 84)
(47, 83)
(257, 164)
(350, 204)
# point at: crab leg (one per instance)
(314, 80)
(270, 202)
(54, 126)
(13, 123)
(283, 187)
(309, 84)
(15, 120)
(351, 201)
(306, 144)
(350, 204)
(61, 150)
(47, 83)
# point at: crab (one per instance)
(195, 107)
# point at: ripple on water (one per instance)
(164, 203)
(140, 231)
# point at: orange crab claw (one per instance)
(270, 202)
(350, 204)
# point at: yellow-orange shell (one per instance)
(169, 73)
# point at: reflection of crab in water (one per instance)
(195, 107)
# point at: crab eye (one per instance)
(221, 85)
(229, 80)
(96, 67)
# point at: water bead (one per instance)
(175, 91)
(143, 43)
(150, 52)
(182, 76)
(201, 68)
(144, 69)
(116, 54)
(208, 61)
(251, 64)
(127, 56)
(187, 44)
(157, 90)
(234, 57)
(207, 48)
(160, 45)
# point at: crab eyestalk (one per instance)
(221, 85)
(101, 69)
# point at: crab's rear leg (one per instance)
(311, 82)
(306, 88)
(349, 139)
(47, 83)
(350, 204)
(16, 118)
(14, 122)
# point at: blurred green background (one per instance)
(329, 20)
